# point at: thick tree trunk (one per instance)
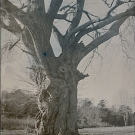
(58, 108)
(58, 102)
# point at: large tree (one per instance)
(33, 24)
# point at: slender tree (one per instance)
(125, 111)
(33, 24)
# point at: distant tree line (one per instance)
(18, 104)
(100, 115)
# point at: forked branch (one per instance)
(113, 31)
(78, 15)
(84, 30)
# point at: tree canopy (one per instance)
(73, 14)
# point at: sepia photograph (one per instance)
(67, 67)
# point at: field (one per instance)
(86, 131)
(16, 132)
(108, 131)
(18, 124)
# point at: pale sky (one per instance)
(112, 73)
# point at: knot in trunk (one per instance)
(64, 72)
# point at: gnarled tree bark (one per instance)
(58, 106)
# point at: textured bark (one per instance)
(58, 105)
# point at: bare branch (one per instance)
(103, 21)
(89, 61)
(25, 51)
(127, 54)
(109, 5)
(7, 46)
(73, 8)
(90, 36)
(68, 6)
(54, 7)
(9, 23)
(81, 76)
(62, 17)
(11, 46)
(78, 15)
(129, 12)
(113, 31)
(13, 10)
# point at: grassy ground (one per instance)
(109, 134)
(15, 126)
(16, 132)
(23, 133)
(92, 131)
(18, 124)
(25, 126)
(108, 131)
